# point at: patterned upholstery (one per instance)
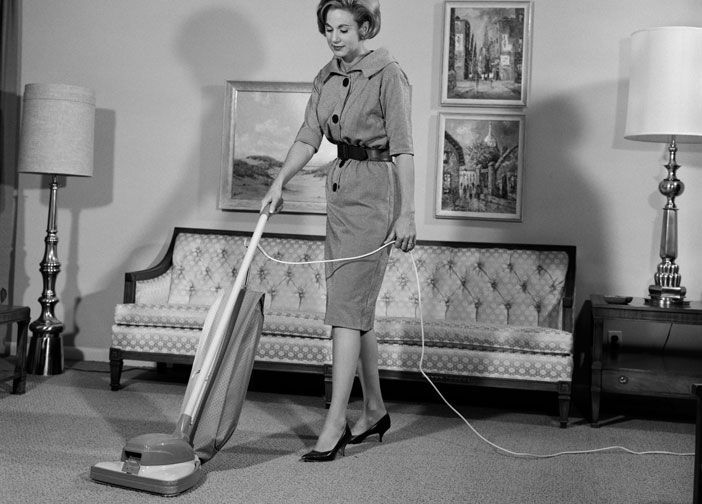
(493, 312)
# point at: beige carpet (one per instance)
(65, 423)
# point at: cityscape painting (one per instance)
(481, 159)
(486, 53)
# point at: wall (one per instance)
(159, 69)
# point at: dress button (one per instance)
(335, 118)
(346, 81)
(334, 187)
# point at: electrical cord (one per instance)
(667, 338)
(450, 406)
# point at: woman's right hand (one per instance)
(274, 198)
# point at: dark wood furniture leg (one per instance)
(116, 364)
(19, 384)
(19, 315)
(564, 393)
(596, 371)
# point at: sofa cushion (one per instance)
(478, 363)
(437, 333)
(168, 340)
(294, 350)
(298, 324)
(159, 315)
(489, 337)
(180, 341)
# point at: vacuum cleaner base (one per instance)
(158, 463)
(164, 480)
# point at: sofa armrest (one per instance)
(149, 283)
(568, 323)
(153, 290)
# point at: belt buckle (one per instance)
(343, 151)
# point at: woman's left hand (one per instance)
(405, 232)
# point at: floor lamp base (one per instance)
(45, 354)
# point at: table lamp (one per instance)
(665, 106)
(56, 139)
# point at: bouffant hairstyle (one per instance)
(362, 10)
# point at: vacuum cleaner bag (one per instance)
(225, 396)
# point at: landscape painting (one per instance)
(481, 159)
(486, 53)
(261, 122)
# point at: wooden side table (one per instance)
(20, 315)
(651, 372)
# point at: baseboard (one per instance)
(90, 354)
(86, 354)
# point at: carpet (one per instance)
(65, 423)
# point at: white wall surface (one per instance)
(159, 69)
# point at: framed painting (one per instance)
(481, 166)
(486, 58)
(261, 121)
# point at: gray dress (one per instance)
(367, 105)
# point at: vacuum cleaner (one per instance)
(169, 464)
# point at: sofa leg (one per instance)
(116, 364)
(327, 385)
(564, 393)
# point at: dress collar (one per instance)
(369, 65)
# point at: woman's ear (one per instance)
(363, 30)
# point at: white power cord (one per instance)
(421, 370)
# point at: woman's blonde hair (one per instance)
(363, 11)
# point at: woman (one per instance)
(361, 102)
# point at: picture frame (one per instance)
(487, 53)
(261, 121)
(480, 171)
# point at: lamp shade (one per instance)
(665, 85)
(57, 132)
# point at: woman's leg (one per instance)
(345, 352)
(373, 405)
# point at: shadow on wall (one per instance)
(207, 40)
(97, 193)
(75, 194)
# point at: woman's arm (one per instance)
(405, 232)
(298, 156)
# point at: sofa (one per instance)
(495, 314)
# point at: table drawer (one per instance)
(628, 381)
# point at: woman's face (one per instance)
(343, 35)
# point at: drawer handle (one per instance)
(623, 379)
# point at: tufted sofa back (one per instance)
(504, 284)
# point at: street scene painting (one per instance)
(486, 53)
(481, 159)
(261, 122)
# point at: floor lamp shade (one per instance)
(57, 132)
(56, 139)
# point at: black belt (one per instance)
(347, 151)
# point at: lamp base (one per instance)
(666, 296)
(45, 354)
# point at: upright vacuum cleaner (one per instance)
(169, 464)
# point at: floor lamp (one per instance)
(665, 106)
(56, 139)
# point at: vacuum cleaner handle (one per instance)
(214, 336)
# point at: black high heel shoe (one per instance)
(380, 427)
(329, 455)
